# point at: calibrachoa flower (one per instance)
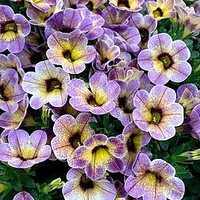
(134, 139)
(13, 30)
(157, 113)
(130, 5)
(165, 59)
(70, 50)
(47, 85)
(24, 150)
(11, 91)
(23, 196)
(154, 180)
(42, 5)
(161, 9)
(146, 26)
(70, 134)
(79, 186)
(99, 99)
(98, 155)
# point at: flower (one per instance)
(70, 50)
(23, 195)
(79, 186)
(42, 5)
(161, 9)
(129, 5)
(11, 92)
(24, 150)
(99, 154)
(157, 113)
(100, 100)
(134, 139)
(13, 30)
(70, 134)
(165, 59)
(154, 180)
(146, 26)
(47, 85)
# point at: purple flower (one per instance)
(165, 59)
(42, 5)
(99, 154)
(13, 30)
(70, 50)
(157, 113)
(47, 85)
(124, 103)
(145, 24)
(188, 96)
(99, 99)
(79, 186)
(70, 134)
(10, 91)
(154, 180)
(23, 195)
(24, 150)
(134, 139)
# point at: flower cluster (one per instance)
(103, 95)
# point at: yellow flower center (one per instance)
(157, 13)
(28, 152)
(68, 55)
(53, 84)
(11, 26)
(166, 60)
(86, 183)
(123, 3)
(75, 140)
(156, 115)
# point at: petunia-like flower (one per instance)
(70, 50)
(188, 19)
(129, 5)
(98, 155)
(157, 113)
(188, 96)
(134, 139)
(94, 4)
(42, 5)
(161, 9)
(39, 17)
(13, 30)
(79, 186)
(124, 103)
(47, 85)
(11, 91)
(165, 59)
(100, 100)
(11, 121)
(24, 150)
(154, 180)
(146, 26)
(23, 195)
(70, 134)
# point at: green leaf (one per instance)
(16, 184)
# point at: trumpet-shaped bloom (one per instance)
(47, 85)
(146, 26)
(79, 186)
(157, 113)
(23, 195)
(42, 5)
(99, 99)
(99, 154)
(154, 180)
(13, 30)
(130, 5)
(11, 91)
(165, 59)
(161, 9)
(134, 139)
(24, 150)
(70, 134)
(70, 51)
